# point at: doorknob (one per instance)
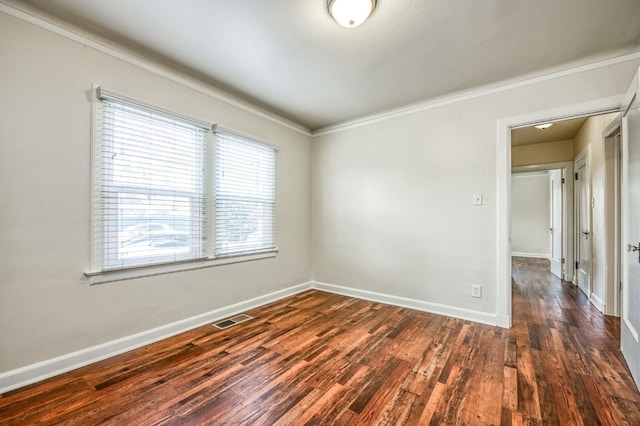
(586, 234)
(632, 248)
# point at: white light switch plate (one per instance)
(477, 199)
(476, 290)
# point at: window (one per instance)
(245, 195)
(149, 186)
(154, 182)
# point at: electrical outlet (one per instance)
(476, 290)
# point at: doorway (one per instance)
(630, 190)
(542, 215)
(504, 169)
(587, 256)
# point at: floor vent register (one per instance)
(230, 322)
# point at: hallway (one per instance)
(579, 374)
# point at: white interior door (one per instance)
(630, 324)
(583, 226)
(556, 180)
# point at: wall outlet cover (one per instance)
(476, 290)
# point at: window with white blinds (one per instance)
(149, 191)
(245, 195)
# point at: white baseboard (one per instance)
(33, 373)
(527, 254)
(420, 305)
(503, 321)
(628, 346)
(597, 302)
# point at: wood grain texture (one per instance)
(323, 359)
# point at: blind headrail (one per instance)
(217, 129)
(106, 94)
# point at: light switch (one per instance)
(477, 199)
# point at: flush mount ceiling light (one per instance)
(350, 13)
(544, 126)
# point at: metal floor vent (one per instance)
(230, 322)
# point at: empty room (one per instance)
(306, 212)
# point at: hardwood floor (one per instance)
(320, 358)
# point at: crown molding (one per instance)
(593, 64)
(153, 68)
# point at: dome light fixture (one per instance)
(544, 126)
(350, 13)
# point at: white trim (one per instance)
(631, 329)
(528, 173)
(614, 127)
(541, 167)
(174, 76)
(597, 302)
(532, 255)
(33, 373)
(613, 246)
(475, 93)
(420, 305)
(29, 374)
(503, 223)
(100, 277)
(503, 181)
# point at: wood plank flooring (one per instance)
(323, 359)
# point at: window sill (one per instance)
(101, 277)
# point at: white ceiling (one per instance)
(292, 58)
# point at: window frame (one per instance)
(230, 135)
(97, 274)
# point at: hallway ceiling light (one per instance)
(544, 126)
(350, 13)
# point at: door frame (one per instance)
(567, 208)
(561, 228)
(503, 186)
(613, 216)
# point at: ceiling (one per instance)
(560, 131)
(290, 57)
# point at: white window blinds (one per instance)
(149, 192)
(245, 195)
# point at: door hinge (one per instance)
(576, 264)
(576, 176)
(562, 180)
(562, 261)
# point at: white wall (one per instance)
(392, 199)
(530, 214)
(46, 309)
